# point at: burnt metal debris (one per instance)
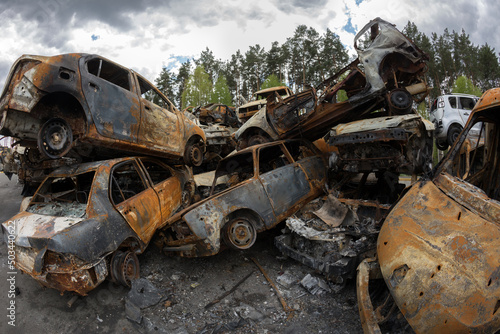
(438, 247)
(429, 252)
(389, 80)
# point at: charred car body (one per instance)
(438, 248)
(259, 101)
(88, 222)
(334, 234)
(76, 107)
(217, 113)
(253, 190)
(388, 75)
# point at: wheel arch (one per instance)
(250, 214)
(62, 105)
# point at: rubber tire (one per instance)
(239, 233)
(442, 145)
(453, 133)
(193, 155)
(124, 267)
(46, 144)
(257, 140)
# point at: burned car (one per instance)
(84, 106)
(252, 191)
(259, 100)
(333, 234)
(438, 248)
(217, 113)
(387, 76)
(88, 222)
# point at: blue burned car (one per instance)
(252, 191)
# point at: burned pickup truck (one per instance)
(438, 248)
(81, 107)
(387, 77)
(88, 222)
(252, 191)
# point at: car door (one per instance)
(284, 180)
(466, 104)
(135, 200)
(111, 98)
(167, 186)
(159, 121)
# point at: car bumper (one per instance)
(62, 277)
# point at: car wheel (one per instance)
(239, 233)
(55, 138)
(400, 101)
(453, 133)
(257, 140)
(441, 144)
(124, 267)
(193, 155)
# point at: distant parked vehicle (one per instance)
(259, 100)
(449, 113)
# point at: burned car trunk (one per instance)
(88, 222)
(386, 76)
(252, 191)
(438, 247)
(68, 106)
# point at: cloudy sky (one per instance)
(148, 34)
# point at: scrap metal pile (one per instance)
(343, 198)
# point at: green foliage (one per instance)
(221, 93)
(165, 83)
(272, 81)
(198, 89)
(464, 85)
(308, 57)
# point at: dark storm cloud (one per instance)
(307, 7)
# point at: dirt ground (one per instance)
(181, 290)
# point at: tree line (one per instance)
(308, 57)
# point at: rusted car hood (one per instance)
(31, 225)
(439, 257)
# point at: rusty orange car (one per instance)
(88, 222)
(87, 106)
(439, 247)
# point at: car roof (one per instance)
(88, 166)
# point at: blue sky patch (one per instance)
(95, 37)
(349, 28)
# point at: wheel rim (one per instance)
(124, 267)
(241, 234)
(196, 156)
(55, 138)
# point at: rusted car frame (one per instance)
(260, 187)
(87, 107)
(88, 222)
(389, 58)
(259, 100)
(438, 249)
(217, 113)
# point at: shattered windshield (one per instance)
(232, 171)
(63, 196)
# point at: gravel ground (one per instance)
(178, 292)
